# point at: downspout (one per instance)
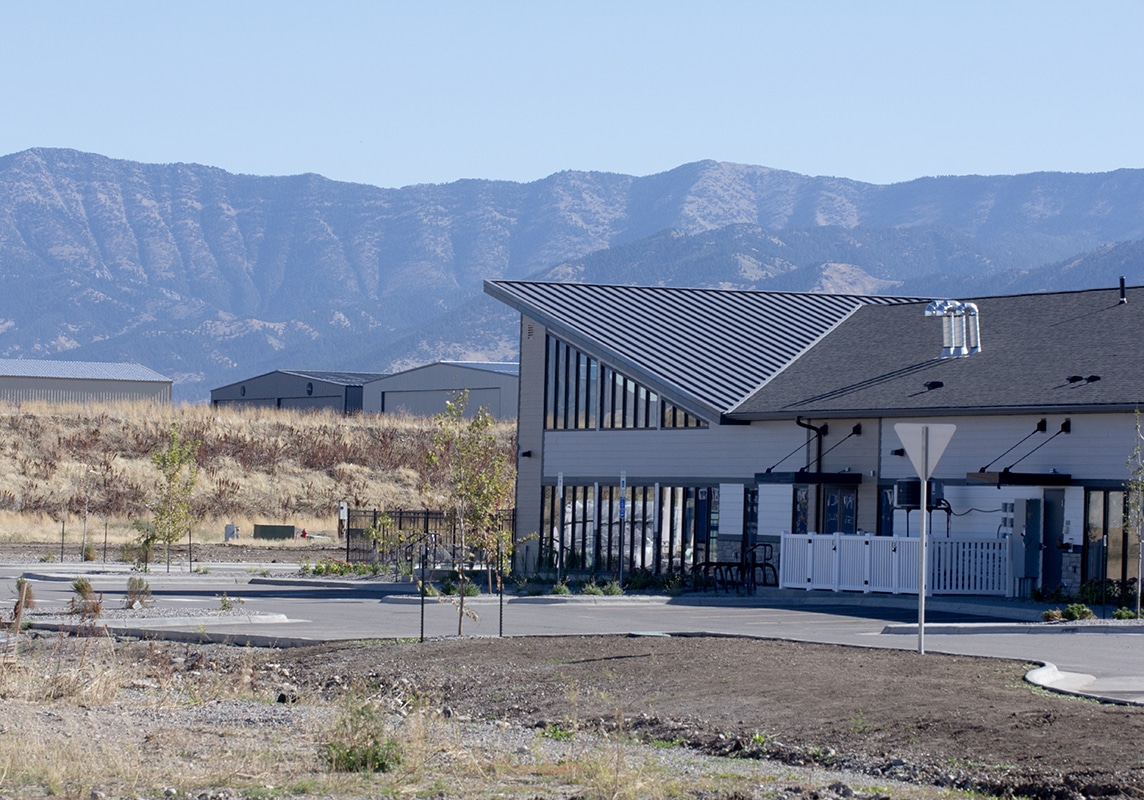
(819, 432)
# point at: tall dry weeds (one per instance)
(60, 464)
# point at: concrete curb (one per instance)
(1071, 683)
(954, 628)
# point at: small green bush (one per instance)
(138, 592)
(472, 589)
(86, 602)
(1052, 615)
(591, 587)
(613, 588)
(1078, 611)
(1124, 613)
(358, 740)
(24, 590)
(89, 552)
(561, 588)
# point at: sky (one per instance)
(399, 93)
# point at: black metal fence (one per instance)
(398, 539)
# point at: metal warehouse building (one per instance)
(341, 391)
(423, 391)
(30, 380)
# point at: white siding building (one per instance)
(668, 429)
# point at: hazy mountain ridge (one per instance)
(207, 275)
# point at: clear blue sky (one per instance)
(393, 93)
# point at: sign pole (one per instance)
(922, 563)
(924, 445)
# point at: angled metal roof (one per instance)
(1040, 353)
(78, 370)
(502, 367)
(705, 349)
(339, 378)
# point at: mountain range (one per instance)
(210, 277)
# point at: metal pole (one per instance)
(424, 586)
(922, 543)
(500, 590)
(63, 525)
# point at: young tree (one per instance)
(472, 476)
(179, 470)
(1135, 519)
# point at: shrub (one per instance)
(25, 599)
(641, 579)
(1078, 611)
(358, 740)
(1052, 615)
(138, 593)
(86, 602)
(1124, 613)
(89, 552)
(613, 588)
(561, 588)
(591, 587)
(227, 603)
(471, 589)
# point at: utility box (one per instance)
(274, 531)
(230, 532)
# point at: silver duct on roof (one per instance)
(960, 327)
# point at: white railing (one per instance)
(890, 564)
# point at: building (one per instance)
(667, 429)
(424, 391)
(31, 380)
(421, 391)
(340, 391)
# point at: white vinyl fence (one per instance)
(847, 563)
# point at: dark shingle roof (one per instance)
(78, 370)
(881, 357)
(706, 348)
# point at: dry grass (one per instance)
(74, 466)
(79, 716)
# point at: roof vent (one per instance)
(960, 329)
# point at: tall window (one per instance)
(597, 529)
(571, 392)
(580, 393)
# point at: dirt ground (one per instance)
(945, 721)
(963, 722)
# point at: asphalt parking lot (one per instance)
(270, 605)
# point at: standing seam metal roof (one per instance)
(713, 345)
(339, 378)
(78, 370)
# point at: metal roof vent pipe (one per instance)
(953, 334)
(972, 325)
(960, 327)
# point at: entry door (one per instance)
(1052, 546)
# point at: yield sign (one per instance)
(913, 435)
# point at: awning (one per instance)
(791, 478)
(1007, 478)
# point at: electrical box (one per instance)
(908, 493)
